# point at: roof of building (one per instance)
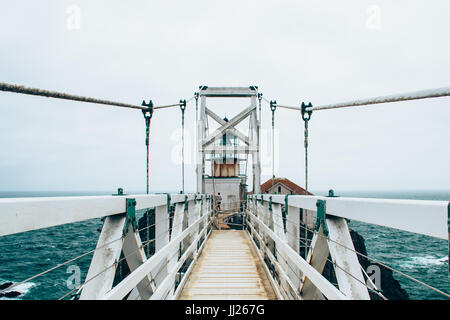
(286, 182)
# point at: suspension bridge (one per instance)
(224, 242)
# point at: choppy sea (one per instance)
(30, 253)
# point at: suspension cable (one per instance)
(416, 95)
(148, 113)
(423, 94)
(59, 95)
(183, 108)
(196, 94)
(306, 116)
(273, 107)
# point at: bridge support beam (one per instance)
(107, 254)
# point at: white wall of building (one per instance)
(228, 189)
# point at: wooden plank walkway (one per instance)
(228, 268)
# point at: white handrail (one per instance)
(427, 217)
(25, 214)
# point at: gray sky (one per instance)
(318, 51)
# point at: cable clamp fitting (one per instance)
(306, 115)
(182, 105)
(148, 113)
(273, 105)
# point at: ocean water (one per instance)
(24, 255)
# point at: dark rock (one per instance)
(390, 287)
(12, 294)
(5, 285)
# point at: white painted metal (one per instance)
(281, 291)
(25, 214)
(135, 256)
(232, 123)
(254, 143)
(327, 289)
(347, 268)
(418, 216)
(317, 258)
(228, 92)
(127, 284)
(278, 226)
(161, 227)
(222, 122)
(100, 276)
(292, 227)
(201, 134)
(165, 290)
(230, 149)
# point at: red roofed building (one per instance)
(282, 186)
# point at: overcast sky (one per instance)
(318, 51)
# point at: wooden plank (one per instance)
(244, 266)
(107, 253)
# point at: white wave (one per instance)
(425, 261)
(23, 288)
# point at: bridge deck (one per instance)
(228, 268)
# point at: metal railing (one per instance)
(182, 224)
(275, 223)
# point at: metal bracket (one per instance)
(273, 105)
(119, 192)
(148, 113)
(321, 216)
(306, 115)
(270, 203)
(186, 203)
(130, 215)
(182, 105)
(331, 194)
(169, 209)
(286, 204)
